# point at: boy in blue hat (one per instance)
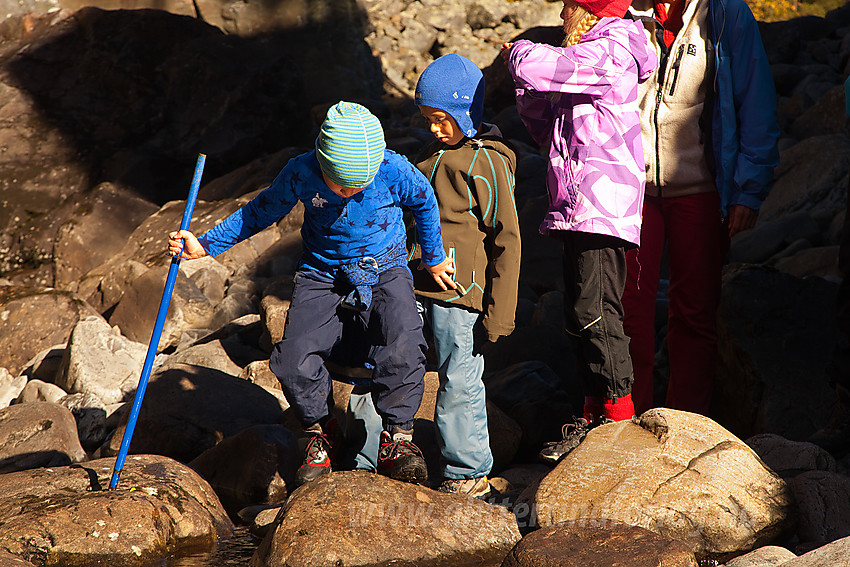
(354, 261)
(471, 169)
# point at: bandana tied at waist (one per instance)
(365, 272)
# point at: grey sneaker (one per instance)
(475, 487)
(573, 433)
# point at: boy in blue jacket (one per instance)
(354, 260)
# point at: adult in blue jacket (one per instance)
(709, 128)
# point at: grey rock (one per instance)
(32, 320)
(767, 556)
(45, 366)
(138, 308)
(772, 236)
(830, 555)
(790, 458)
(818, 261)
(809, 178)
(823, 501)
(10, 387)
(90, 414)
(100, 361)
(38, 391)
(97, 227)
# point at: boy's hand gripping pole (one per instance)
(157, 329)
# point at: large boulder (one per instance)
(823, 499)
(360, 518)
(65, 516)
(138, 309)
(255, 466)
(188, 409)
(32, 320)
(600, 543)
(767, 556)
(128, 108)
(38, 434)
(100, 361)
(675, 473)
(98, 225)
(812, 177)
(790, 458)
(830, 555)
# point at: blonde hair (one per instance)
(580, 23)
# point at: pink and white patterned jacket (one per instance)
(582, 103)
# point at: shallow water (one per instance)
(234, 552)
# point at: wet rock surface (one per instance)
(66, 515)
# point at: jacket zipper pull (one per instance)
(675, 68)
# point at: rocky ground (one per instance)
(102, 115)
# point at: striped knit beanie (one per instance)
(351, 145)
(454, 84)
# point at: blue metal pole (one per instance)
(157, 329)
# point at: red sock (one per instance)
(619, 409)
(593, 408)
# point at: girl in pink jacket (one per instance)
(580, 102)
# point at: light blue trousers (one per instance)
(461, 409)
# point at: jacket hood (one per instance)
(631, 35)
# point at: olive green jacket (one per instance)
(474, 183)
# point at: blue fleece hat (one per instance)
(455, 85)
(351, 145)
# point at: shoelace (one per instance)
(396, 449)
(316, 449)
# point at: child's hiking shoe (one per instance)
(475, 487)
(317, 454)
(573, 433)
(400, 459)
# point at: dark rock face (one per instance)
(255, 466)
(133, 96)
(759, 390)
(139, 103)
(189, 409)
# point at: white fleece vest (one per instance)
(673, 144)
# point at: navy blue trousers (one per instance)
(393, 332)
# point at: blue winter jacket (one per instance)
(337, 231)
(744, 124)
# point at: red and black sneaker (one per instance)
(401, 459)
(317, 455)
